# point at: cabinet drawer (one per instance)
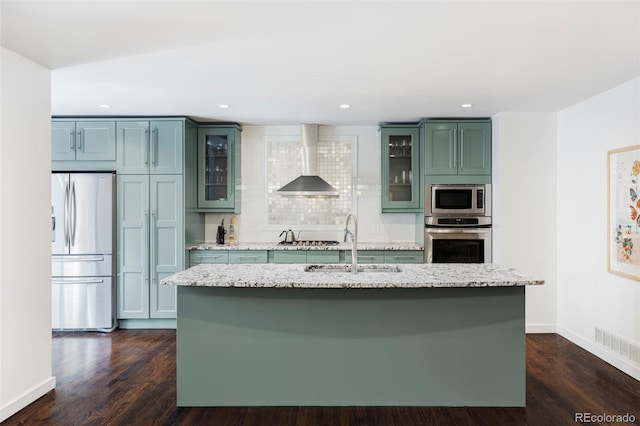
(366, 256)
(408, 256)
(247, 256)
(209, 256)
(289, 256)
(314, 256)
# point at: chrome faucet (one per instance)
(354, 240)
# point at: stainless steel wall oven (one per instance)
(458, 235)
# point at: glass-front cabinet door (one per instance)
(400, 169)
(216, 168)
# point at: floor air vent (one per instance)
(624, 348)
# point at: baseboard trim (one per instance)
(540, 328)
(12, 407)
(141, 324)
(607, 356)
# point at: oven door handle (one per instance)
(458, 230)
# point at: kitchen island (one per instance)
(438, 334)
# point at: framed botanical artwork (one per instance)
(624, 212)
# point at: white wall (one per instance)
(373, 226)
(25, 246)
(524, 207)
(589, 296)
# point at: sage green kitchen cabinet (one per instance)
(155, 146)
(150, 241)
(196, 257)
(219, 168)
(248, 256)
(306, 256)
(166, 242)
(458, 148)
(323, 256)
(404, 256)
(83, 140)
(400, 152)
(366, 256)
(289, 256)
(133, 272)
(387, 256)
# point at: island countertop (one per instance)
(294, 276)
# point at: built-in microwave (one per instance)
(457, 200)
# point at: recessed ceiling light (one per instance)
(105, 106)
(466, 105)
(224, 106)
(345, 106)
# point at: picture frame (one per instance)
(623, 212)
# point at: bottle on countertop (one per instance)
(232, 231)
(220, 234)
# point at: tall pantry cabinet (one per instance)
(150, 215)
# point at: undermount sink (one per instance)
(347, 268)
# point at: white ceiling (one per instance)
(293, 62)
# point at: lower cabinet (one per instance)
(404, 256)
(366, 256)
(387, 256)
(150, 244)
(197, 257)
(248, 256)
(306, 256)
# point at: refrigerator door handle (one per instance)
(78, 259)
(65, 218)
(73, 200)
(77, 281)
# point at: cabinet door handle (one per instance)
(398, 258)
(80, 137)
(146, 237)
(455, 149)
(72, 140)
(154, 147)
(254, 258)
(146, 147)
(462, 148)
(154, 238)
(367, 257)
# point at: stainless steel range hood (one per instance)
(309, 184)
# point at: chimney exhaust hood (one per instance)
(309, 184)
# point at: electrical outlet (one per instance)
(376, 228)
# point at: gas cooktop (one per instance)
(310, 243)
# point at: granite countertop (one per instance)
(276, 246)
(294, 276)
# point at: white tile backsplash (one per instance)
(253, 225)
(284, 163)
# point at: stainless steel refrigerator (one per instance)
(82, 268)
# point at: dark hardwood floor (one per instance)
(128, 378)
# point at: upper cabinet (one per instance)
(400, 152)
(155, 147)
(219, 168)
(458, 151)
(83, 140)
